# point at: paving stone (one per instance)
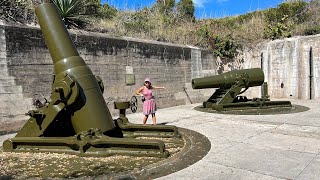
(286, 142)
(208, 171)
(312, 171)
(270, 161)
(248, 146)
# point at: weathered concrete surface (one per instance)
(250, 147)
(26, 68)
(291, 66)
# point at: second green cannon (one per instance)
(231, 85)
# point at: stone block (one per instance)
(245, 157)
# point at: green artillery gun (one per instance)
(231, 84)
(77, 119)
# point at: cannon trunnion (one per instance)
(77, 119)
(232, 84)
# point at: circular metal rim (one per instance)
(196, 147)
(258, 111)
(133, 104)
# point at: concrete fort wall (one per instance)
(26, 69)
(291, 66)
(291, 69)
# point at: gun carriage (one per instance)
(231, 85)
(77, 119)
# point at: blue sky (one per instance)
(206, 8)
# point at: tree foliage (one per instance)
(284, 18)
(106, 11)
(165, 7)
(224, 46)
(281, 29)
(138, 21)
(186, 9)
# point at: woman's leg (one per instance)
(154, 119)
(145, 118)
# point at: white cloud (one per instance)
(201, 3)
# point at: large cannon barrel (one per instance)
(91, 110)
(251, 77)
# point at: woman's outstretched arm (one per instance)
(158, 87)
(138, 92)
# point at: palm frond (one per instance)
(71, 12)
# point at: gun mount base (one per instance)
(138, 130)
(245, 104)
(252, 108)
(89, 143)
(65, 166)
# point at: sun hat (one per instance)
(147, 79)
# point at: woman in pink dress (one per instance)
(149, 104)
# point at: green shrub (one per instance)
(293, 10)
(279, 30)
(228, 22)
(203, 31)
(225, 46)
(91, 7)
(165, 7)
(283, 19)
(222, 46)
(138, 21)
(106, 11)
(312, 30)
(71, 12)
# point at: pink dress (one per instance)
(149, 105)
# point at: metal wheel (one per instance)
(134, 104)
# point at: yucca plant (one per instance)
(71, 12)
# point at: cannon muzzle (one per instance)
(249, 78)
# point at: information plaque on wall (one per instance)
(130, 79)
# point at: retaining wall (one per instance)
(291, 66)
(291, 69)
(26, 69)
